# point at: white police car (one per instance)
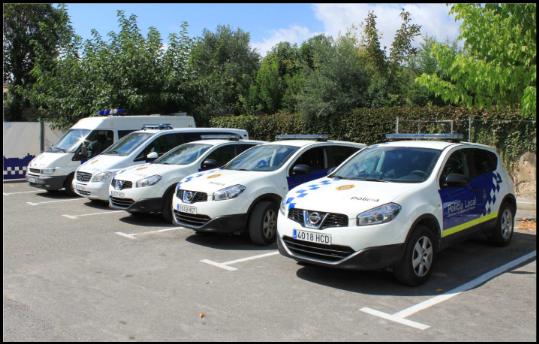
(245, 193)
(148, 188)
(92, 179)
(396, 205)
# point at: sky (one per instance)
(267, 24)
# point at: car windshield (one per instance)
(127, 144)
(261, 158)
(390, 164)
(183, 154)
(70, 141)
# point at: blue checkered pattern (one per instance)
(306, 190)
(493, 189)
(15, 168)
(192, 176)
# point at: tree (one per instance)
(225, 67)
(496, 67)
(34, 34)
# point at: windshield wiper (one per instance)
(375, 180)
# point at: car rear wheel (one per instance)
(415, 266)
(502, 233)
(263, 223)
(69, 185)
(167, 206)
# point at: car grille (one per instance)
(331, 253)
(35, 170)
(191, 219)
(126, 184)
(83, 176)
(198, 197)
(332, 220)
(121, 202)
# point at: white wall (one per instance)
(21, 142)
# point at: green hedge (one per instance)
(507, 131)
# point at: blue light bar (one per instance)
(317, 137)
(232, 137)
(112, 112)
(441, 137)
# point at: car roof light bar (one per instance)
(232, 137)
(113, 112)
(162, 126)
(316, 137)
(454, 137)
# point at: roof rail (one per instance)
(162, 126)
(316, 137)
(452, 137)
(231, 137)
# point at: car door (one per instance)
(459, 203)
(314, 158)
(484, 181)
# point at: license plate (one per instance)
(319, 238)
(119, 194)
(188, 209)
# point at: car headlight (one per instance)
(228, 193)
(282, 207)
(48, 170)
(148, 181)
(381, 214)
(101, 176)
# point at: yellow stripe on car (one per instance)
(469, 224)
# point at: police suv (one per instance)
(148, 188)
(396, 204)
(246, 192)
(92, 179)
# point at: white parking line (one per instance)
(399, 317)
(20, 192)
(133, 235)
(56, 201)
(226, 265)
(74, 217)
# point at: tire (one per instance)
(166, 211)
(502, 232)
(263, 223)
(69, 185)
(420, 248)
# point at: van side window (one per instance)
(337, 154)
(455, 164)
(96, 142)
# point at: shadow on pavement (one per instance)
(455, 266)
(148, 220)
(56, 194)
(227, 242)
(96, 204)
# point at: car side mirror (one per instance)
(208, 164)
(152, 156)
(300, 169)
(455, 179)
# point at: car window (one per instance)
(222, 155)
(314, 158)
(122, 133)
(183, 154)
(240, 148)
(457, 163)
(483, 161)
(162, 144)
(127, 144)
(268, 157)
(337, 154)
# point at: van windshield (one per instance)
(127, 144)
(70, 141)
(261, 158)
(390, 164)
(183, 154)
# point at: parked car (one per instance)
(92, 178)
(244, 195)
(397, 204)
(54, 169)
(149, 188)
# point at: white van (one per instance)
(92, 178)
(54, 169)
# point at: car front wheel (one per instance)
(416, 265)
(263, 223)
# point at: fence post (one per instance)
(41, 135)
(469, 128)
(397, 125)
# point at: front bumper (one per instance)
(371, 258)
(46, 182)
(150, 205)
(92, 190)
(224, 224)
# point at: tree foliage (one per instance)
(497, 65)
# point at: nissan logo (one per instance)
(314, 218)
